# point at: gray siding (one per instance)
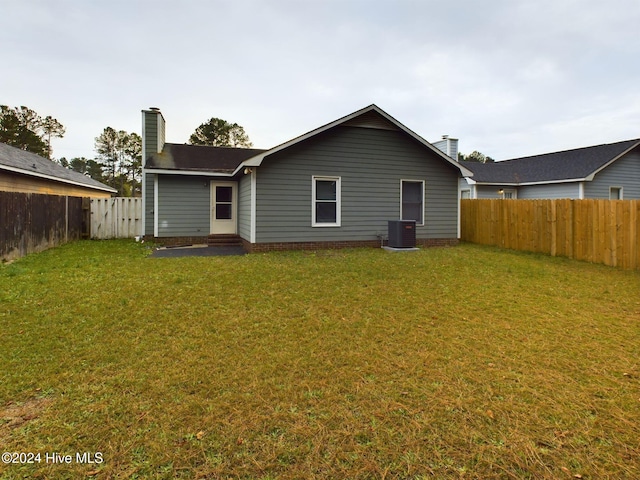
(371, 163)
(549, 191)
(148, 203)
(464, 185)
(529, 192)
(150, 133)
(244, 207)
(489, 191)
(624, 173)
(184, 206)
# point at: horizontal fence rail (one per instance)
(117, 217)
(598, 231)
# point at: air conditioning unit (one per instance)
(402, 233)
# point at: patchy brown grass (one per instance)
(14, 415)
(463, 362)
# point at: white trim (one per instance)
(513, 191)
(56, 179)
(620, 190)
(423, 199)
(338, 181)
(144, 203)
(526, 184)
(232, 223)
(581, 191)
(252, 224)
(155, 205)
(257, 160)
(459, 230)
(593, 174)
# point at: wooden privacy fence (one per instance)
(117, 217)
(31, 222)
(599, 231)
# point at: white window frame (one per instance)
(512, 191)
(620, 190)
(402, 180)
(338, 200)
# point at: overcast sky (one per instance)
(509, 78)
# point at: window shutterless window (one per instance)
(508, 194)
(412, 200)
(325, 201)
(615, 193)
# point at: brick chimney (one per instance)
(152, 133)
(448, 145)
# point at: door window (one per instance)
(224, 198)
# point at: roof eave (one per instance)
(56, 179)
(541, 182)
(202, 173)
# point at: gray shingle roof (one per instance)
(28, 163)
(200, 158)
(549, 167)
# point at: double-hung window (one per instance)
(412, 200)
(325, 201)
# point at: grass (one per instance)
(466, 362)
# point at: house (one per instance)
(610, 171)
(335, 186)
(26, 172)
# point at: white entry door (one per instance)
(223, 208)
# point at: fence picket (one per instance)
(600, 231)
(116, 217)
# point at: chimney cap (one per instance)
(154, 109)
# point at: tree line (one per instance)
(118, 159)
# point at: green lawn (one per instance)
(465, 362)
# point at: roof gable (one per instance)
(26, 163)
(368, 117)
(569, 165)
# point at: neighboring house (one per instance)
(26, 172)
(335, 186)
(610, 171)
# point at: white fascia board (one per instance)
(256, 161)
(593, 174)
(493, 184)
(546, 182)
(187, 172)
(55, 179)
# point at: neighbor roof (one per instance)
(26, 163)
(198, 158)
(568, 165)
